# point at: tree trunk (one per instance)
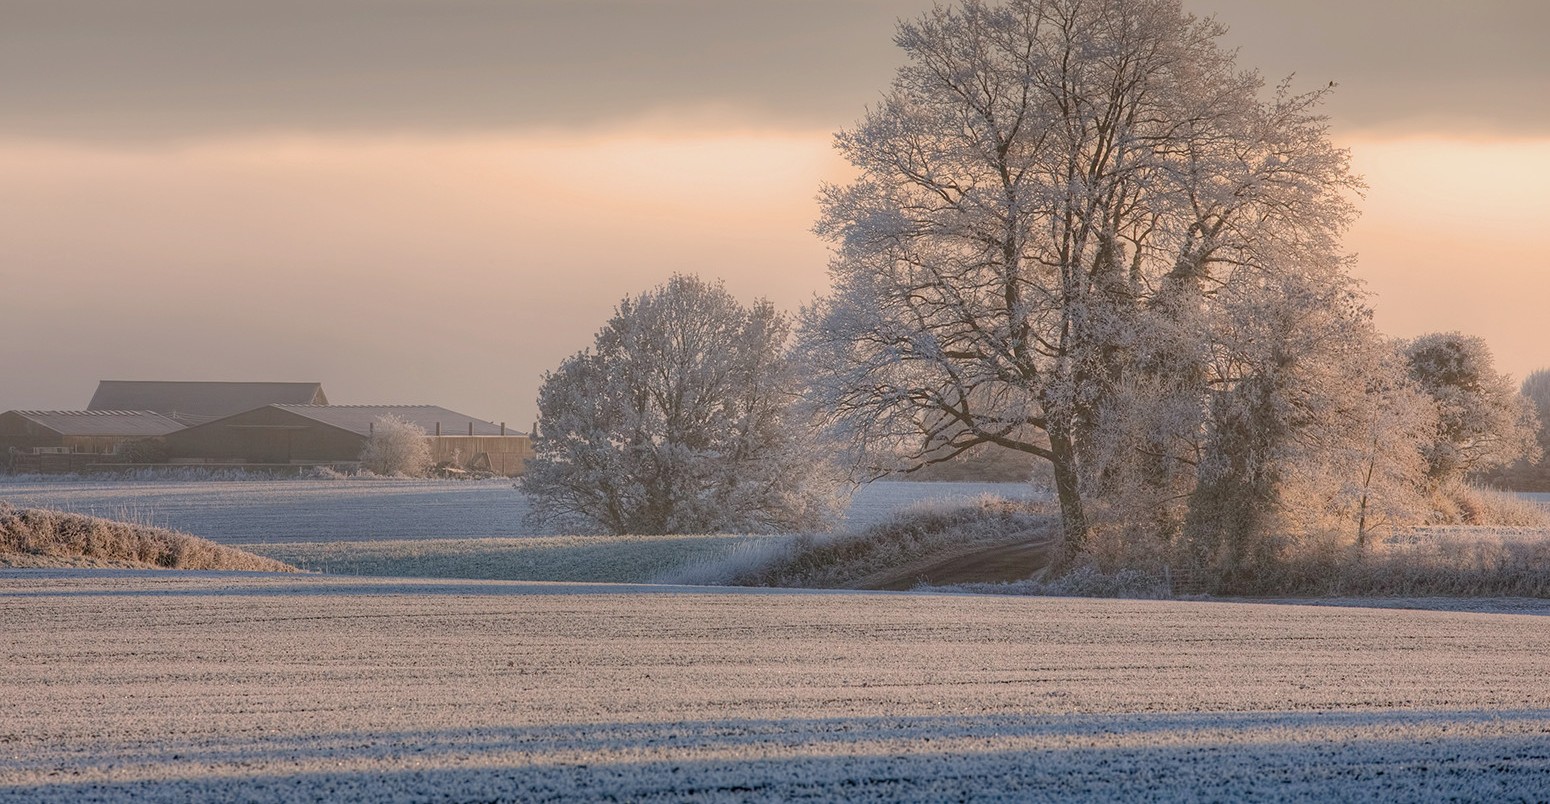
(1073, 518)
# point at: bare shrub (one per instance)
(144, 450)
(397, 448)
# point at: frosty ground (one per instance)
(217, 686)
(199, 686)
(423, 528)
(276, 511)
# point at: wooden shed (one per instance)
(65, 440)
(199, 402)
(335, 434)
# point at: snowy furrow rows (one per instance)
(180, 686)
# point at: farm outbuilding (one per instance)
(65, 440)
(292, 435)
(199, 402)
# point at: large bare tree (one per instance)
(1051, 201)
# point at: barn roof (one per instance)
(194, 402)
(358, 419)
(136, 423)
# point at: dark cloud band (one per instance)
(156, 69)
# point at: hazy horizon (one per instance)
(434, 203)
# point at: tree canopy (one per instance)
(1068, 206)
(680, 419)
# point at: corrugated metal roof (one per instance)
(359, 418)
(202, 401)
(137, 423)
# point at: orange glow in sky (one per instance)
(1451, 238)
(384, 264)
(437, 202)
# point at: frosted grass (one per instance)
(353, 510)
(279, 511)
(592, 559)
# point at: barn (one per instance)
(67, 440)
(307, 435)
(199, 402)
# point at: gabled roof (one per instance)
(131, 423)
(193, 402)
(358, 419)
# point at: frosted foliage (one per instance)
(1483, 422)
(397, 447)
(679, 420)
(1536, 389)
(1077, 229)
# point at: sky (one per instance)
(436, 201)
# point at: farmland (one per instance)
(459, 686)
(423, 528)
(188, 686)
(281, 511)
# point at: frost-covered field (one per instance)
(191, 686)
(589, 559)
(424, 528)
(353, 510)
(279, 511)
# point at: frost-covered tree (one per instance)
(680, 419)
(1536, 389)
(396, 447)
(1056, 201)
(1483, 422)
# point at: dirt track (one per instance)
(998, 564)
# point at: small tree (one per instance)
(397, 447)
(680, 419)
(1484, 422)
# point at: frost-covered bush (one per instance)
(680, 419)
(45, 536)
(1461, 503)
(397, 448)
(325, 473)
(1461, 561)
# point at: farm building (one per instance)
(199, 402)
(65, 440)
(335, 434)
